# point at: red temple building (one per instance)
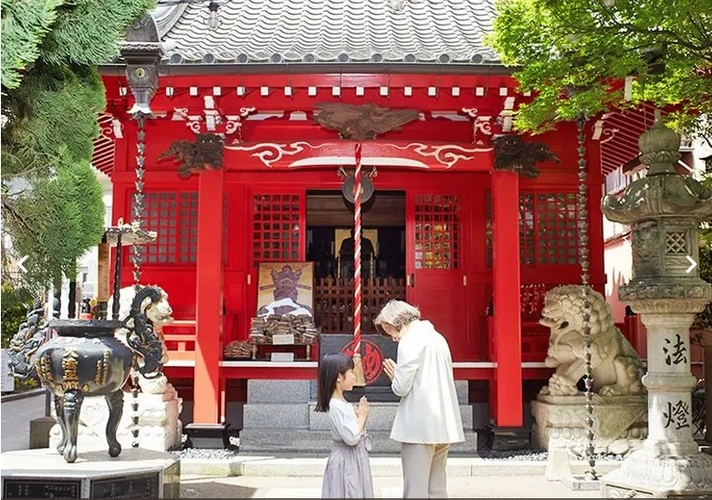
(474, 246)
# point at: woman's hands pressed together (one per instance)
(389, 367)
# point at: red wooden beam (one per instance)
(308, 372)
(418, 155)
(281, 80)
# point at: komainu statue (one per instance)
(619, 400)
(616, 367)
(159, 313)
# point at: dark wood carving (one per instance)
(511, 153)
(362, 122)
(206, 153)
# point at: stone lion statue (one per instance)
(616, 367)
(160, 314)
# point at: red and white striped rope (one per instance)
(357, 251)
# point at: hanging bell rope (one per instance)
(583, 259)
(358, 367)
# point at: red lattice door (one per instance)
(436, 279)
(276, 233)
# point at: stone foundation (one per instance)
(647, 474)
(160, 428)
(620, 423)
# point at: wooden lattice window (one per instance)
(526, 229)
(276, 231)
(174, 216)
(557, 228)
(547, 228)
(437, 232)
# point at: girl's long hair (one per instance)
(330, 367)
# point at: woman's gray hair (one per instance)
(397, 313)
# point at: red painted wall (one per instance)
(239, 297)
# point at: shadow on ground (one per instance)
(214, 488)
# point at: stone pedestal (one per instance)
(664, 210)
(620, 423)
(133, 474)
(160, 428)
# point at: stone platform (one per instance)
(136, 473)
(309, 441)
(620, 423)
(279, 417)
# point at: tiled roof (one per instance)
(329, 31)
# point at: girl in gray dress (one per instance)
(348, 471)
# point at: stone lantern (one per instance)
(664, 210)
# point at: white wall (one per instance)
(87, 265)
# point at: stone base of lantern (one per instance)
(645, 474)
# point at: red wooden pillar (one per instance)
(508, 411)
(207, 402)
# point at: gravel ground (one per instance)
(514, 456)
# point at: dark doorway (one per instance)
(330, 247)
(329, 243)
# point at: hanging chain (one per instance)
(583, 259)
(137, 257)
(138, 205)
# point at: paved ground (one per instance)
(16, 416)
(386, 487)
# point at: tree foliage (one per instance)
(52, 206)
(573, 55)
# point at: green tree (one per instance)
(52, 207)
(15, 304)
(574, 54)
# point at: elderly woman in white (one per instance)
(428, 416)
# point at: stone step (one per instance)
(275, 416)
(316, 441)
(299, 391)
(381, 417)
(303, 416)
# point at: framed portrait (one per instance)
(285, 288)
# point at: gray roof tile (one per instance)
(314, 31)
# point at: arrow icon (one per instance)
(19, 264)
(693, 264)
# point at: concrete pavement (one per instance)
(285, 476)
(386, 487)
